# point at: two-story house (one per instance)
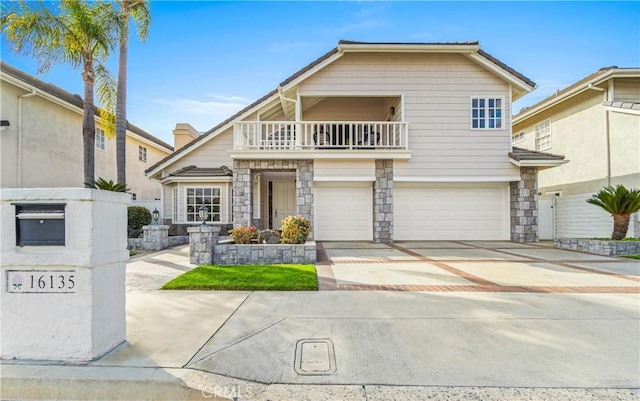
(372, 141)
(41, 140)
(595, 123)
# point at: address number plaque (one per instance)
(41, 281)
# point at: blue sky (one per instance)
(204, 60)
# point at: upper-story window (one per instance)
(100, 139)
(543, 135)
(142, 154)
(517, 138)
(486, 113)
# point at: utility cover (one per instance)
(315, 356)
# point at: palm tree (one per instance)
(105, 185)
(621, 203)
(81, 34)
(138, 10)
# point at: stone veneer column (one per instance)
(304, 191)
(383, 202)
(241, 193)
(524, 206)
(155, 238)
(202, 239)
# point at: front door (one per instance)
(284, 201)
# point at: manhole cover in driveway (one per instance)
(315, 356)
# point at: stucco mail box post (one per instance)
(63, 253)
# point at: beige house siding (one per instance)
(625, 149)
(626, 90)
(347, 109)
(214, 153)
(436, 90)
(51, 148)
(352, 170)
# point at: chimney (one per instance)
(183, 134)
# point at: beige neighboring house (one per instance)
(372, 141)
(595, 123)
(41, 140)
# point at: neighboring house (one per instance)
(41, 140)
(372, 141)
(596, 124)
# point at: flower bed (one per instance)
(600, 247)
(225, 253)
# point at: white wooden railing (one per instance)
(311, 135)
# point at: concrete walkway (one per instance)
(366, 345)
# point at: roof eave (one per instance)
(408, 47)
(541, 164)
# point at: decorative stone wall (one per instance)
(524, 206)
(201, 243)
(263, 254)
(243, 171)
(155, 238)
(600, 247)
(383, 202)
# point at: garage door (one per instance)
(451, 211)
(343, 211)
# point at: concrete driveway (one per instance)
(488, 266)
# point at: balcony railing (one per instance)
(312, 135)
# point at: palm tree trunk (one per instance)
(620, 226)
(88, 123)
(121, 111)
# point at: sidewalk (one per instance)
(404, 346)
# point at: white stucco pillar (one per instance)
(63, 301)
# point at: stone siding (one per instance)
(600, 247)
(243, 175)
(524, 206)
(264, 254)
(383, 202)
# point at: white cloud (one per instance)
(238, 99)
(366, 24)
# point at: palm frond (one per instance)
(106, 90)
(618, 200)
(103, 184)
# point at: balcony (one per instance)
(320, 139)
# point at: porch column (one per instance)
(383, 202)
(524, 206)
(304, 191)
(241, 193)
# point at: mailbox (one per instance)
(40, 224)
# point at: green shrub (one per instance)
(138, 216)
(243, 235)
(295, 230)
(105, 185)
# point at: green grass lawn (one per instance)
(631, 256)
(247, 278)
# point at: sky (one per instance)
(205, 60)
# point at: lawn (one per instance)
(247, 278)
(631, 256)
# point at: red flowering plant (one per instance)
(243, 234)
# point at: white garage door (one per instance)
(343, 211)
(451, 211)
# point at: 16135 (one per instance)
(41, 281)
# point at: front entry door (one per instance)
(284, 201)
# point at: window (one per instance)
(100, 143)
(519, 137)
(142, 154)
(543, 135)
(486, 113)
(209, 197)
(175, 205)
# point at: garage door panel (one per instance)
(343, 213)
(448, 213)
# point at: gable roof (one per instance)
(469, 48)
(596, 78)
(72, 99)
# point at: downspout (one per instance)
(606, 130)
(19, 138)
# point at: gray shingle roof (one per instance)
(193, 171)
(623, 105)
(75, 100)
(519, 154)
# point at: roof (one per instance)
(193, 171)
(72, 99)
(467, 46)
(520, 154)
(624, 105)
(573, 89)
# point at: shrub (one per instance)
(243, 235)
(105, 185)
(138, 216)
(268, 237)
(295, 230)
